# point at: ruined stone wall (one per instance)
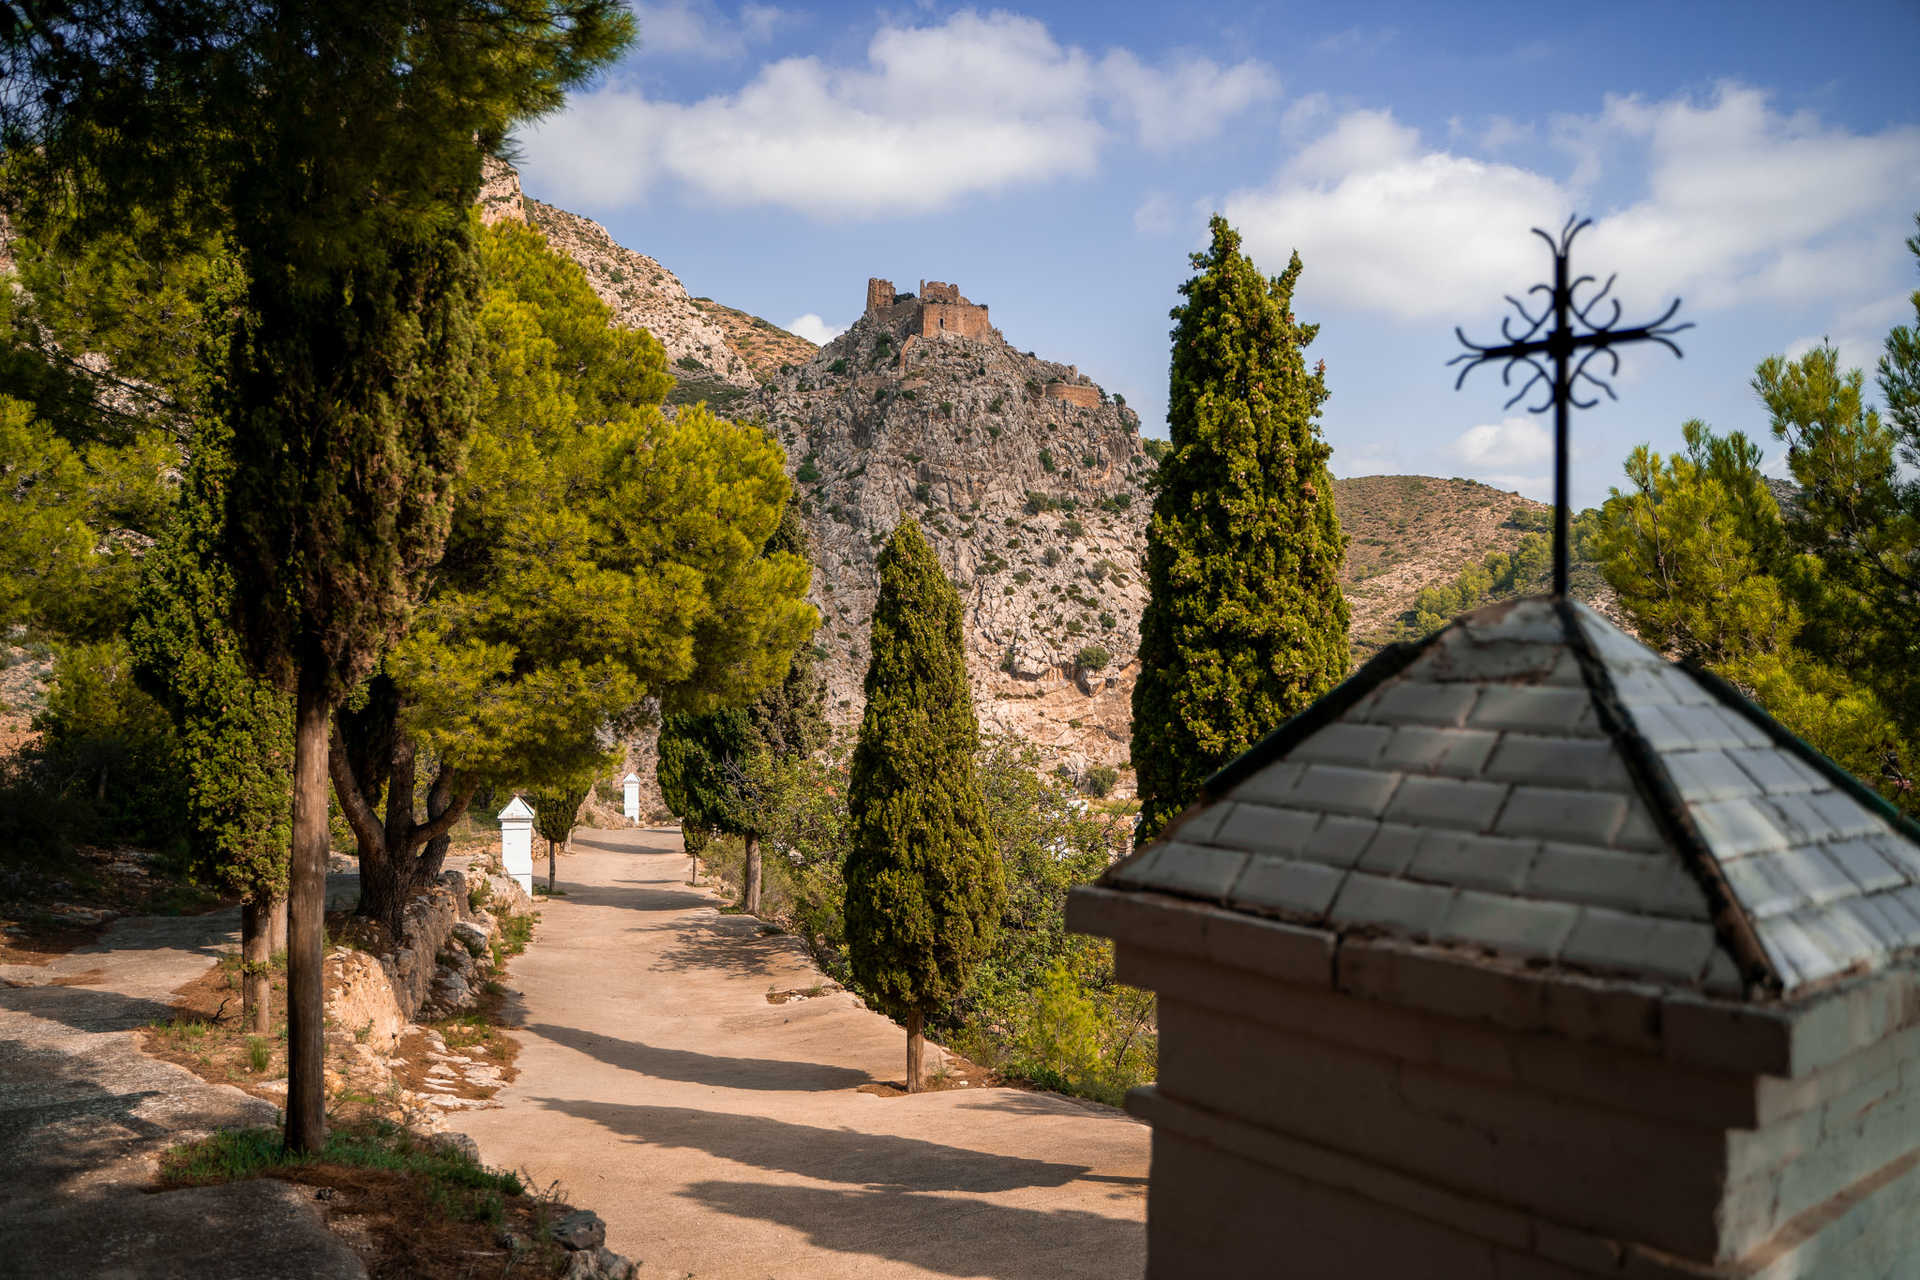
(880, 294)
(940, 291)
(1073, 393)
(964, 319)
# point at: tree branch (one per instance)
(439, 826)
(360, 815)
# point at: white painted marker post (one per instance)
(631, 784)
(516, 842)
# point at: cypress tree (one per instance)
(235, 731)
(1245, 624)
(924, 882)
(554, 809)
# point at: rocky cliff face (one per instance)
(645, 295)
(1035, 505)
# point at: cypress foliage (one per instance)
(1245, 625)
(235, 730)
(924, 883)
(554, 809)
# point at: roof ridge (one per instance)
(1730, 696)
(1655, 784)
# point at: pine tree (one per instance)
(1245, 625)
(721, 772)
(924, 885)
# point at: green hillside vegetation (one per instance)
(1422, 548)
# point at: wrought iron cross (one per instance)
(1560, 344)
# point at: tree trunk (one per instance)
(277, 926)
(256, 953)
(916, 1052)
(306, 915)
(751, 905)
(549, 866)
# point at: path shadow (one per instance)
(735, 945)
(945, 1234)
(85, 1008)
(71, 1107)
(871, 1160)
(632, 895)
(636, 840)
(1026, 1102)
(701, 1068)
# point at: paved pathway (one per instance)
(723, 1136)
(84, 1114)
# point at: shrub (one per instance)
(838, 366)
(1098, 781)
(1046, 460)
(1092, 658)
(1072, 529)
(808, 471)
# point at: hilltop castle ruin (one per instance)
(938, 308)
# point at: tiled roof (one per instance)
(1534, 782)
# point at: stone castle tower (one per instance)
(937, 308)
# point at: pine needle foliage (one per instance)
(1246, 624)
(924, 882)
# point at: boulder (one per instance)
(580, 1230)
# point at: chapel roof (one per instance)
(1534, 783)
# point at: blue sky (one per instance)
(1059, 162)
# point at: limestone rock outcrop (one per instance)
(1035, 502)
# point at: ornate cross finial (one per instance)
(1560, 344)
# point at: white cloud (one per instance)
(696, 28)
(814, 329)
(1506, 445)
(1413, 237)
(1360, 142)
(976, 103)
(1739, 203)
(1155, 216)
(1503, 133)
(1514, 453)
(1185, 102)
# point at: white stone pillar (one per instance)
(516, 842)
(631, 784)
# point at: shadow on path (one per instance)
(629, 895)
(874, 1160)
(636, 840)
(85, 1008)
(735, 945)
(953, 1236)
(701, 1068)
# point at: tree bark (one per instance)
(306, 915)
(256, 953)
(549, 866)
(751, 894)
(916, 1052)
(397, 854)
(277, 926)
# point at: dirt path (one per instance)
(721, 1135)
(84, 1114)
